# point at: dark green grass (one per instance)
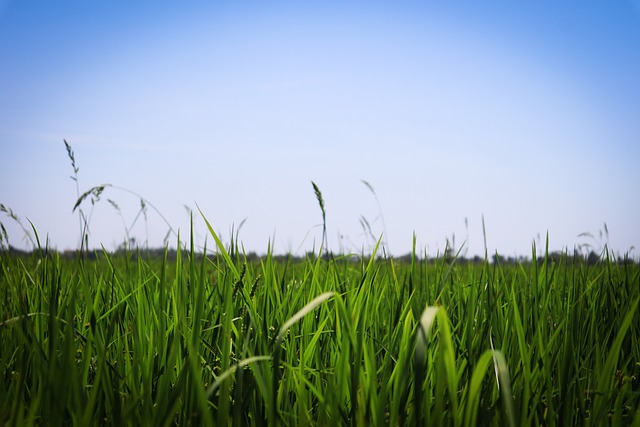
(338, 340)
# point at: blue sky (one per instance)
(526, 113)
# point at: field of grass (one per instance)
(328, 340)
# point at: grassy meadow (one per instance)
(185, 339)
(137, 338)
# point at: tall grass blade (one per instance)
(221, 248)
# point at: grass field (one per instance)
(327, 340)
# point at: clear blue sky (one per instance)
(525, 112)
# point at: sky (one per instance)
(521, 119)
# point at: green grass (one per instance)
(343, 340)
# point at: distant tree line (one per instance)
(590, 258)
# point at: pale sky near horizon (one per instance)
(526, 113)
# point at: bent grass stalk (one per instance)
(318, 194)
(277, 349)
